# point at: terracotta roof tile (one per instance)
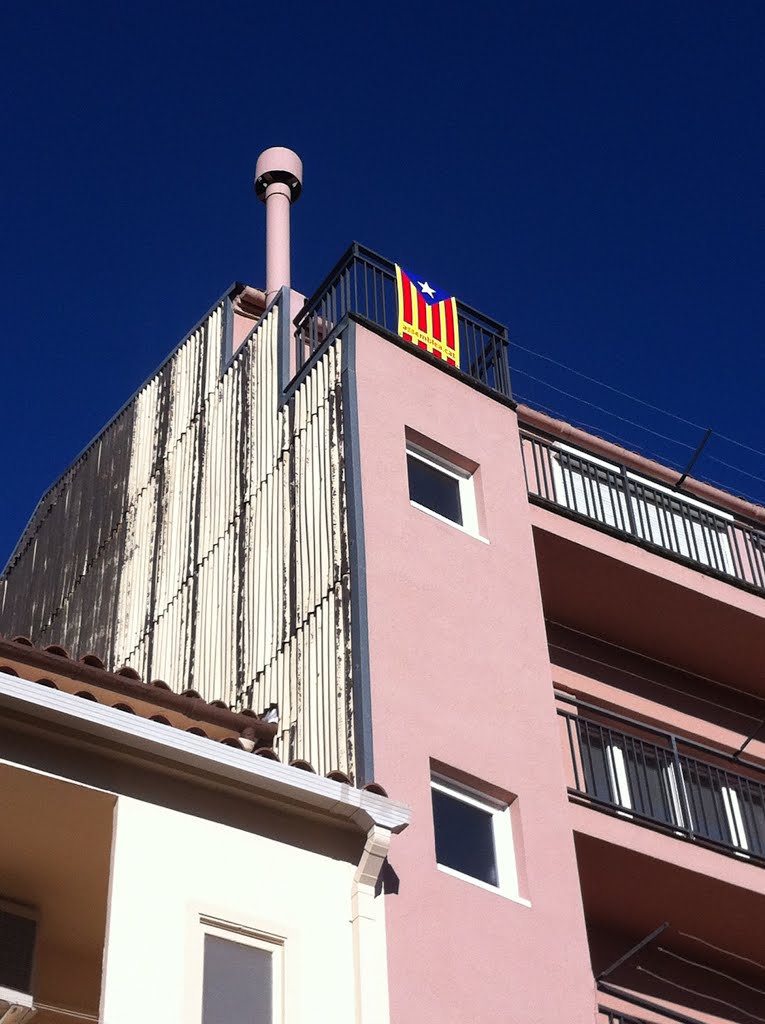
(53, 666)
(125, 691)
(375, 787)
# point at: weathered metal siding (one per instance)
(75, 536)
(202, 540)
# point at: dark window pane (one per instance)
(703, 786)
(434, 489)
(17, 943)
(464, 838)
(237, 983)
(649, 771)
(592, 748)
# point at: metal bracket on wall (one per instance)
(694, 457)
(631, 952)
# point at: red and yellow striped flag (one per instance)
(427, 317)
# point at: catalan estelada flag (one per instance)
(427, 317)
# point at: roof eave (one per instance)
(160, 746)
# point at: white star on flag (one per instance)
(426, 289)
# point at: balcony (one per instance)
(664, 781)
(363, 285)
(614, 499)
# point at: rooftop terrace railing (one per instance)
(662, 780)
(611, 497)
(364, 284)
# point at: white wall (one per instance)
(170, 867)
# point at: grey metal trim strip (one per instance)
(361, 674)
(283, 346)
(227, 352)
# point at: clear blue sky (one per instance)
(591, 173)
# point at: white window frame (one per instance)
(502, 830)
(254, 938)
(466, 490)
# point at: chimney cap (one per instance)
(278, 164)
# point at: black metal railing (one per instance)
(609, 1016)
(661, 779)
(618, 1017)
(613, 497)
(364, 283)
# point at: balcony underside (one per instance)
(54, 856)
(706, 964)
(626, 595)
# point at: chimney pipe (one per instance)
(278, 183)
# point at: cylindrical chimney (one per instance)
(278, 182)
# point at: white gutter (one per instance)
(217, 761)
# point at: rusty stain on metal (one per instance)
(202, 539)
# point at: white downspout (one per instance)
(370, 954)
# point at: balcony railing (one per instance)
(614, 498)
(609, 1016)
(364, 284)
(662, 780)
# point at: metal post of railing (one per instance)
(628, 500)
(685, 807)
(506, 386)
(577, 784)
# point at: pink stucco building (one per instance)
(543, 644)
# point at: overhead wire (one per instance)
(634, 398)
(711, 970)
(696, 992)
(721, 949)
(653, 682)
(640, 401)
(727, 488)
(737, 469)
(740, 444)
(610, 387)
(655, 661)
(607, 412)
(641, 449)
(600, 431)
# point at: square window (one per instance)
(473, 837)
(464, 836)
(240, 977)
(434, 489)
(441, 489)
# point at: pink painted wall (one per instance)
(460, 674)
